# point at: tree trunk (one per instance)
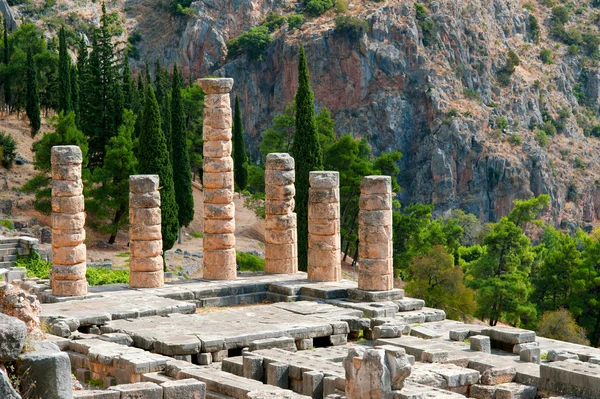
(180, 234)
(117, 218)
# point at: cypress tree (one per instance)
(164, 102)
(140, 105)
(92, 106)
(182, 174)
(153, 158)
(33, 98)
(64, 74)
(240, 159)
(75, 94)
(126, 84)
(7, 83)
(306, 152)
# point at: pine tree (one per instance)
(154, 159)
(307, 153)
(110, 196)
(75, 94)
(7, 82)
(33, 98)
(182, 174)
(240, 159)
(64, 74)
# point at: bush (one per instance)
(546, 56)
(274, 21)
(317, 7)
(352, 27)
(578, 163)
(471, 94)
(595, 132)
(560, 15)
(247, 262)
(181, 7)
(542, 138)
(534, 29)
(515, 139)
(8, 147)
(295, 21)
(572, 193)
(254, 43)
(35, 266)
(341, 6)
(561, 325)
(106, 276)
(591, 44)
(512, 61)
(501, 123)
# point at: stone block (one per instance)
(145, 216)
(376, 185)
(145, 390)
(285, 343)
(278, 375)
(219, 356)
(512, 390)
(218, 241)
(312, 384)
(217, 101)
(218, 118)
(204, 359)
(375, 234)
(143, 183)
(12, 337)
(216, 85)
(281, 236)
(218, 195)
(69, 255)
(280, 161)
(233, 365)
(218, 181)
(509, 335)
(338, 339)
(253, 367)
(73, 204)
(304, 344)
(144, 200)
(217, 149)
(146, 249)
(279, 207)
(146, 264)
(96, 394)
(65, 154)
(424, 332)
(210, 133)
(281, 222)
(218, 165)
(483, 391)
(218, 226)
(459, 335)
(146, 279)
(68, 238)
(68, 221)
(481, 343)
(324, 180)
(145, 233)
(376, 283)
(188, 388)
(572, 377)
(375, 202)
(71, 272)
(387, 331)
(47, 371)
(375, 218)
(498, 375)
(519, 347)
(530, 355)
(67, 188)
(69, 287)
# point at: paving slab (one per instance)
(232, 328)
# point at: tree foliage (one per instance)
(33, 99)
(240, 159)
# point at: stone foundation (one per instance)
(68, 219)
(146, 262)
(219, 209)
(375, 268)
(281, 237)
(324, 262)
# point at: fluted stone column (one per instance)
(219, 209)
(324, 262)
(68, 219)
(145, 237)
(375, 268)
(281, 254)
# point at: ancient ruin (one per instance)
(375, 268)
(219, 209)
(281, 254)
(146, 262)
(68, 219)
(324, 262)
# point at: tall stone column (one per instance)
(219, 209)
(68, 220)
(281, 255)
(145, 237)
(324, 262)
(375, 268)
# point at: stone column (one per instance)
(281, 254)
(68, 219)
(375, 268)
(324, 261)
(219, 209)
(145, 237)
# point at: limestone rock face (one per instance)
(12, 337)
(280, 217)
(25, 307)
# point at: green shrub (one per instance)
(578, 163)
(249, 263)
(542, 138)
(96, 276)
(181, 7)
(534, 29)
(341, 6)
(595, 132)
(573, 49)
(549, 128)
(546, 56)
(351, 27)
(572, 193)
(504, 74)
(501, 123)
(317, 7)
(254, 43)
(196, 234)
(529, 6)
(515, 139)
(8, 148)
(8, 224)
(452, 113)
(560, 14)
(420, 11)
(35, 266)
(274, 21)
(471, 94)
(295, 21)
(429, 27)
(591, 42)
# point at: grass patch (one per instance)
(249, 263)
(95, 383)
(544, 356)
(106, 276)
(196, 234)
(7, 224)
(123, 255)
(35, 266)
(467, 341)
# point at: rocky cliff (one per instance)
(439, 104)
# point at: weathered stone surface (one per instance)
(47, 371)
(144, 200)
(223, 264)
(6, 389)
(324, 180)
(74, 204)
(70, 172)
(509, 335)
(216, 85)
(188, 388)
(218, 118)
(531, 355)
(145, 390)
(376, 185)
(219, 226)
(278, 375)
(218, 196)
(211, 133)
(218, 241)
(12, 337)
(146, 264)
(280, 161)
(513, 390)
(146, 279)
(145, 216)
(69, 287)
(217, 149)
(220, 211)
(498, 375)
(144, 233)
(68, 221)
(69, 255)
(66, 154)
(67, 188)
(145, 249)
(480, 343)
(218, 165)
(69, 272)
(143, 183)
(572, 377)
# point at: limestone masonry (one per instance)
(281, 251)
(219, 209)
(146, 262)
(68, 219)
(375, 268)
(324, 262)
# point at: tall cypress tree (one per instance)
(126, 83)
(153, 158)
(64, 74)
(75, 94)
(307, 153)
(164, 103)
(32, 99)
(7, 82)
(182, 174)
(240, 159)
(92, 107)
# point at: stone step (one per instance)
(9, 241)
(9, 251)
(8, 258)
(9, 246)
(6, 265)
(407, 304)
